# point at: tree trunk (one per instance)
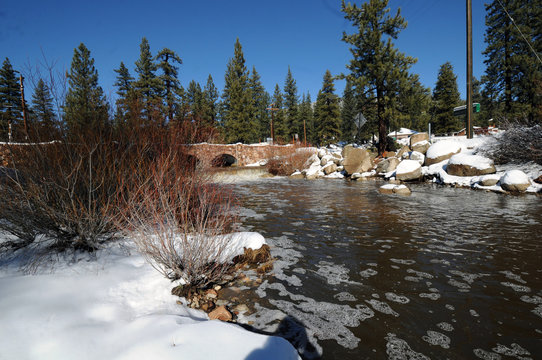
(382, 129)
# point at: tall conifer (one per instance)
(148, 85)
(348, 113)
(170, 78)
(445, 98)
(327, 112)
(43, 111)
(290, 104)
(261, 101)
(10, 100)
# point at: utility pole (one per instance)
(469, 70)
(23, 107)
(272, 109)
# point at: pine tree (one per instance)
(348, 114)
(43, 111)
(280, 129)
(290, 104)
(170, 78)
(377, 67)
(327, 112)
(513, 71)
(306, 117)
(148, 86)
(261, 101)
(445, 98)
(413, 105)
(85, 108)
(124, 84)
(195, 99)
(10, 100)
(210, 103)
(237, 102)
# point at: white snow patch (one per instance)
(407, 166)
(475, 161)
(515, 177)
(442, 148)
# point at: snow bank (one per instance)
(117, 307)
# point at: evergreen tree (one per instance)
(327, 112)
(210, 102)
(261, 101)
(124, 84)
(513, 70)
(85, 108)
(10, 100)
(279, 117)
(170, 78)
(348, 114)
(195, 99)
(290, 104)
(413, 105)
(43, 112)
(237, 102)
(306, 117)
(445, 98)
(377, 68)
(148, 86)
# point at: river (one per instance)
(446, 273)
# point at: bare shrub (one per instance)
(519, 143)
(287, 162)
(178, 221)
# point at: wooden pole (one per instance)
(469, 70)
(23, 107)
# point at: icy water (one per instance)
(443, 274)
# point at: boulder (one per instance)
(419, 137)
(312, 160)
(515, 181)
(538, 180)
(387, 165)
(390, 189)
(321, 153)
(421, 146)
(405, 149)
(440, 151)
(408, 170)
(220, 313)
(418, 156)
(356, 160)
(325, 159)
(297, 175)
(330, 168)
(470, 165)
(489, 180)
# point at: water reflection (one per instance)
(444, 273)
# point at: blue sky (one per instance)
(302, 34)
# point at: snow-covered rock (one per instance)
(490, 180)
(330, 168)
(418, 156)
(515, 180)
(408, 170)
(394, 189)
(404, 150)
(297, 175)
(440, 151)
(470, 165)
(387, 165)
(421, 146)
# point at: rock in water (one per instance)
(356, 160)
(440, 151)
(330, 168)
(515, 181)
(470, 165)
(408, 170)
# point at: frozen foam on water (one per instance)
(535, 299)
(403, 261)
(334, 273)
(249, 213)
(412, 278)
(300, 271)
(344, 296)
(458, 284)
(468, 278)
(430, 296)
(298, 223)
(510, 275)
(420, 274)
(397, 298)
(398, 349)
(445, 326)
(516, 287)
(486, 355)
(368, 273)
(537, 310)
(382, 307)
(436, 338)
(514, 350)
(449, 307)
(474, 313)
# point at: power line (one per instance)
(524, 38)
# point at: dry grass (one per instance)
(286, 164)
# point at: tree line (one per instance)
(379, 86)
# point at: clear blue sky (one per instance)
(302, 34)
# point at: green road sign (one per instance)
(462, 110)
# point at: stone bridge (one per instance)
(236, 154)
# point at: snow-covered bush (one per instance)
(519, 143)
(178, 221)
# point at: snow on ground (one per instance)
(115, 307)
